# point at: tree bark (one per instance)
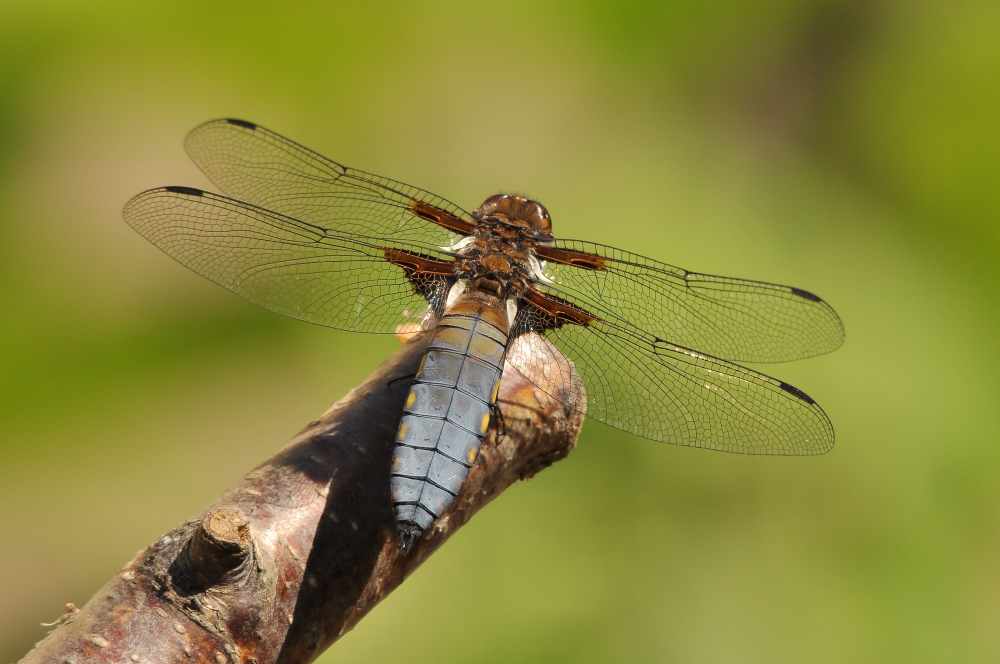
(295, 554)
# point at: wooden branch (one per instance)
(294, 555)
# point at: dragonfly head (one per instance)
(516, 210)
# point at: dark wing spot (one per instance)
(796, 392)
(806, 295)
(190, 191)
(242, 123)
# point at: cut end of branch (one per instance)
(219, 545)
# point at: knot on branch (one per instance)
(219, 552)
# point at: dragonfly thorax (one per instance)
(497, 257)
(496, 262)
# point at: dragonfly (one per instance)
(656, 347)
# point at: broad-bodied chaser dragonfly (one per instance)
(653, 344)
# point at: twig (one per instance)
(294, 555)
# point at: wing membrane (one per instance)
(253, 164)
(284, 264)
(642, 385)
(736, 319)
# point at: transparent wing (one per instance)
(736, 319)
(284, 264)
(642, 385)
(253, 164)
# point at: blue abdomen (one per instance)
(446, 416)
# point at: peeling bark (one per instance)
(294, 555)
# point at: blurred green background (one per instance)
(849, 148)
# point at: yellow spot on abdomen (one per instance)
(485, 424)
(472, 454)
(496, 390)
(411, 398)
(401, 435)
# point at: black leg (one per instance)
(399, 378)
(502, 431)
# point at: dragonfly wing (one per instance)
(253, 164)
(736, 319)
(641, 384)
(291, 266)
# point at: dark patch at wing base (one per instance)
(429, 276)
(553, 312)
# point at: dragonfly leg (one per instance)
(399, 378)
(498, 414)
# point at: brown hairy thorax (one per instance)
(508, 241)
(497, 257)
